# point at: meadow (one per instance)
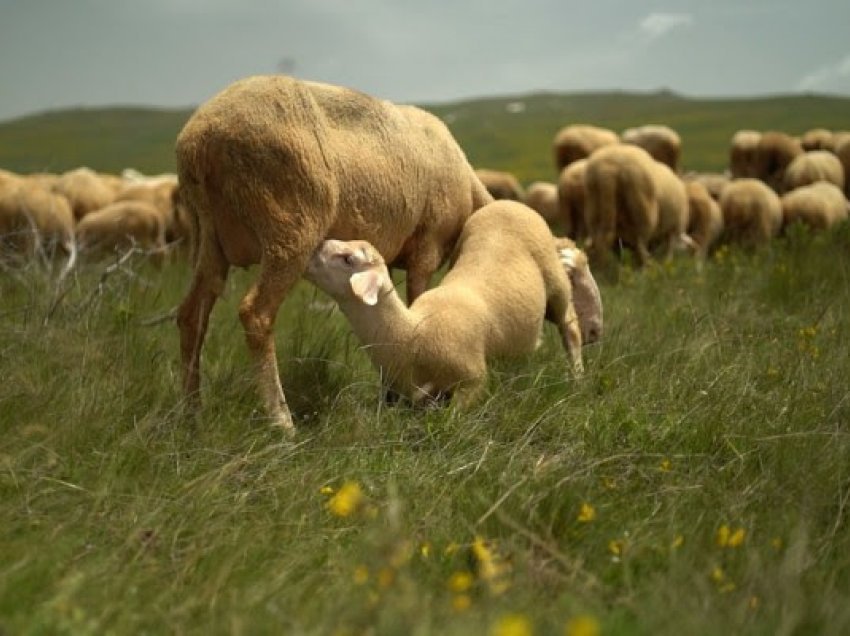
(696, 480)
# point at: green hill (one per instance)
(493, 134)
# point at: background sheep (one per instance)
(842, 151)
(32, 218)
(809, 167)
(632, 197)
(542, 197)
(501, 185)
(505, 279)
(714, 182)
(742, 154)
(86, 190)
(817, 139)
(122, 225)
(705, 220)
(774, 152)
(661, 142)
(752, 212)
(272, 165)
(819, 205)
(571, 199)
(578, 141)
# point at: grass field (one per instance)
(695, 481)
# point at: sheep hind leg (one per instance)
(257, 312)
(194, 312)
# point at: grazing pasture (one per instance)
(695, 480)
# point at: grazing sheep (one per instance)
(122, 225)
(705, 224)
(775, 151)
(272, 165)
(817, 139)
(505, 279)
(742, 154)
(661, 142)
(542, 197)
(752, 212)
(842, 151)
(810, 167)
(501, 185)
(586, 297)
(714, 182)
(86, 190)
(161, 193)
(578, 141)
(632, 197)
(571, 199)
(819, 205)
(33, 218)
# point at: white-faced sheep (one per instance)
(579, 141)
(571, 199)
(272, 165)
(752, 212)
(819, 205)
(813, 166)
(542, 197)
(122, 225)
(505, 280)
(662, 142)
(86, 190)
(742, 154)
(33, 218)
(501, 184)
(634, 198)
(775, 151)
(586, 297)
(705, 224)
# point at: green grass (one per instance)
(111, 139)
(717, 397)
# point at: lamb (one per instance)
(33, 218)
(272, 165)
(661, 142)
(542, 197)
(633, 197)
(571, 199)
(742, 154)
(752, 212)
(579, 141)
(705, 224)
(501, 185)
(809, 167)
(819, 205)
(505, 279)
(85, 190)
(122, 225)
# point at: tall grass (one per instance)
(694, 481)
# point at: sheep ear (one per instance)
(366, 286)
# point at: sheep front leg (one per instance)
(570, 331)
(257, 312)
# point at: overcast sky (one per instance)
(60, 53)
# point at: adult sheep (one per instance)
(662, 142)
(714, 182)
(571, 199)
(817, 139)
(579, 141)
(33, 219)
(504, 281)
(86, 190)
(634, 198)
(501, 184)
(705, 220)
(774, 152)
(842, 151)
(742, 154)
(542, 197)
(752, 212)
(819, 205)
(122, 225)
(813, 166)
(271, 166)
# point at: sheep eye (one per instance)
(349, 259)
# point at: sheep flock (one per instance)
(271, 168)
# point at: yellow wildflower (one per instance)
(677, 541)
(586, 513)
(512, 625)
(728, 538)
(665, 466)
(490, 567)
(347, 500)
(461, 602)
(737, 538)
(326, 490)
(425, 550)
(451, 549)
(723, 535)
(776, 543)
(582, 625)
(460, 581)
(386, 577)
(361, 575)
(718, 575)
(616, 546)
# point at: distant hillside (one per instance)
(512, 133)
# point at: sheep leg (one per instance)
(194, 312)
(257, 312)
(421, 266)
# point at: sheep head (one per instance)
(348, 270)
(586, 297)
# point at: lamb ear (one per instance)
(366, 286)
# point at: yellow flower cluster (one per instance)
(586, 513)
(520, 625)
(490, 567)
(346, 501)
(728, 538)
